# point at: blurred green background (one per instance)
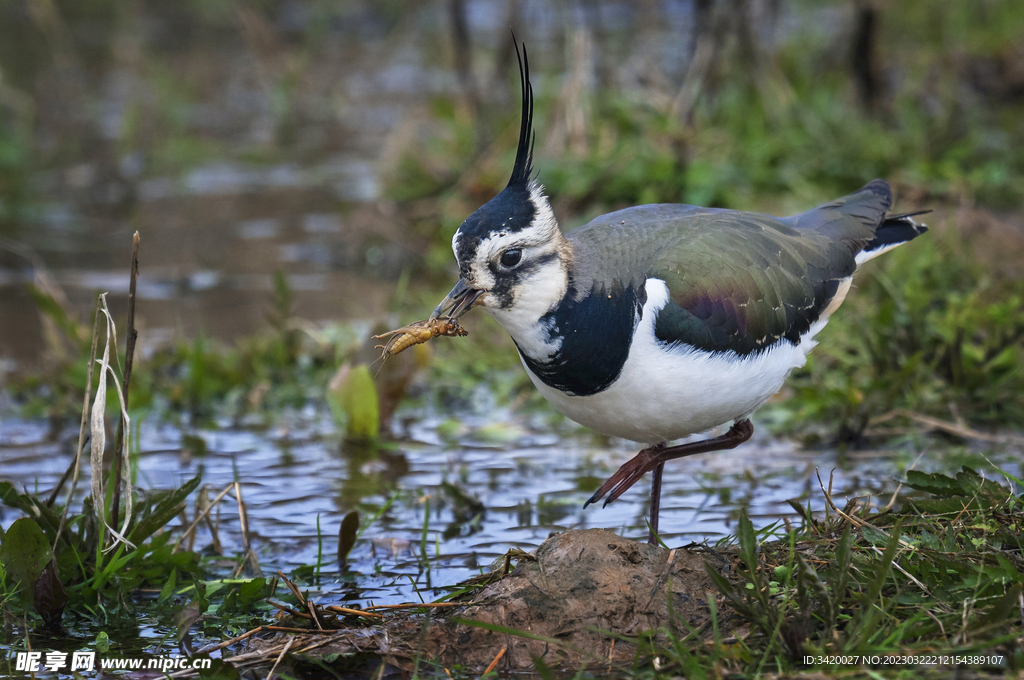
(296, 171)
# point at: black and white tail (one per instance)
(894, 230)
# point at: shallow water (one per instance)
(530, 480)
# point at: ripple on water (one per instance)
(530, 487)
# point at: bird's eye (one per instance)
(511, 257)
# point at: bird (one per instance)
(657, 322)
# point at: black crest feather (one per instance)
(524, 154)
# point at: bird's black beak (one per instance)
(458, 301)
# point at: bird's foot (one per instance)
(628, 475)
(648, 459)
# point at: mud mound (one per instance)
(575, 602)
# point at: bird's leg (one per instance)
(652, 538)
(649, 459)
(628, 474)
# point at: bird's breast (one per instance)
(660, 392)
(592, 335)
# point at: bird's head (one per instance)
(513, 259)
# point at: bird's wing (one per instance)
(738, 281)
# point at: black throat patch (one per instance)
(596, 334)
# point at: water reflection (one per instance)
(189, 128)
(481, 501)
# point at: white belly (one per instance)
(664, 394)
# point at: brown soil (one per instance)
(588, 594)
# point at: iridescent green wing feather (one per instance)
(737, 281)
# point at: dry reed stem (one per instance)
(254, 564)
(129, 358)
(248, 555)
(1020, 601)
(355, 612)
(221, 645)
(694, 80)
(312, 612)
(413, 605)
(850, 518)
(76, 465)
(259, 656)
(197, 520)
(320, 640)
(892, 499)
(203, 503)
(296, 593)
(242, 518)
(98, 436)
(286, 609)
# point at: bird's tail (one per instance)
(894, 230)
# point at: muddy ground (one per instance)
(577, 601)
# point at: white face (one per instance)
(523, 273)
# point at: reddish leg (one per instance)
(652, 538)
(655, 457)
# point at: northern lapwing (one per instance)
(657, 322)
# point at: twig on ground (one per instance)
(284, 651)
(493, 664)
(221, 645)
(288, 610)
(354, 612)
(932, 423)
(413, 605)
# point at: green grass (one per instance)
(927, 328)
(95, 578)
(942, 575)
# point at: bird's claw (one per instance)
(626, 476)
